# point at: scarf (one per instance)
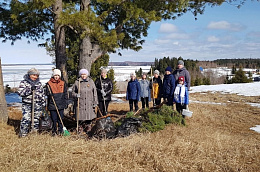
(179, 93)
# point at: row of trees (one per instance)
(244, 63)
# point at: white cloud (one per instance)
(178, 36)
(167, 28)
(224, 25)
(213, 39)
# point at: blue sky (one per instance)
(221, 32)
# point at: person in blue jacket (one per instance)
(168, 86)
(133, 92)
(181, 95)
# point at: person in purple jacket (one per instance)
(133, 92)
(168, 86)
(181, 95)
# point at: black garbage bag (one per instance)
(129, 126)
(45, 123)
(104, 128)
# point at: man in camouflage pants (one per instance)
(31, 83)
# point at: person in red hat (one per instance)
(181, 95)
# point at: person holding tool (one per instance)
(57, 100)
(104, 88)
(85, 93)
(156, 88)
(32, 93)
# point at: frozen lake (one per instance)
(13, 74)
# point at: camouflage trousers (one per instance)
(25, 125)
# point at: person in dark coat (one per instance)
(145, 92)
(58, 90)
(182, 71)
(104, 88)
(133, 92)
(168, 86)
(156, 87)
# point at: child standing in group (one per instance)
(32, 93)
(181, 95)
(133, 92)
(145, 91)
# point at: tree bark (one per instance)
(3, 106)
(60, 47)
(89, 52)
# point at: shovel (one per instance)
(32, 116)
(65, 131)
(103, 96)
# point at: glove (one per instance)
(78, 95)
(103, 93)
(33, 87)
(94, 105)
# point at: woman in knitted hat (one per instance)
(156, 88)
(57, 89)
(168, 86)
(31, 84)
(145, 93)
(104, 87)
(182, 71)
(85, 91)
(133, 92)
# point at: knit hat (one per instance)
(157, 72)
(168, 69)
(103, 71)
(56, 72)
(83, 71)
(180, 62)
(181, 78)
(33, 71)
(132, 74)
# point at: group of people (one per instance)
(173, 89)
(87, 94)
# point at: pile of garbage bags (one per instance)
(105, 128)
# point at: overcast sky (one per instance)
(221, 32)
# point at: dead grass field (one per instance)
(216, 138)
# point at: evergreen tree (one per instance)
(111, 75)
(240, 77)
(139, 73)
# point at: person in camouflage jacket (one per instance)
(31, 82)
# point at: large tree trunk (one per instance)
(89, 51)
(3, 106)
(60, 47)
(88, 54)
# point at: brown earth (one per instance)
(217, 138)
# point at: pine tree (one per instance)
(240, 77)
(111, 75)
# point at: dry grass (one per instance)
(216, 138)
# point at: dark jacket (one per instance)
(133, 90)
(107, 86)
(168, 85)
(59, 93)
(182, 72)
